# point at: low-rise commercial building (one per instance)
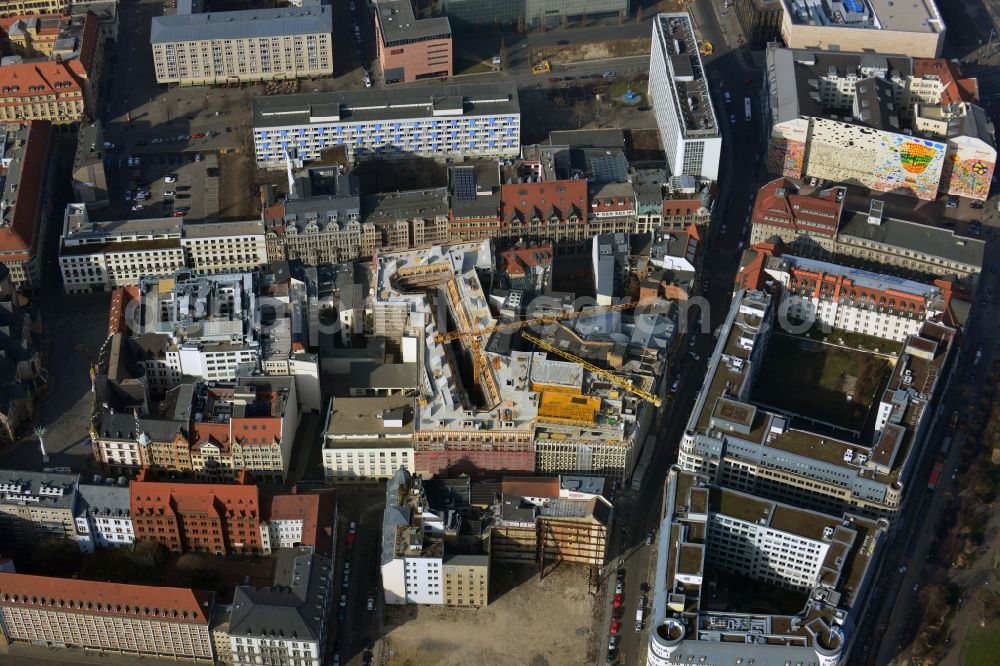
(708, 532)
(137, 621)
(868, 25)
(455, 121)
(224, 247)
(241, 46)
(287, 622)
(27, 166)
(411, 49)
(367, 439)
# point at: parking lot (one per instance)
(163, 185)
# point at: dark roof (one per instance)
(293, 607)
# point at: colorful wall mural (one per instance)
(883, 161)
(968, 168)
(786, 150)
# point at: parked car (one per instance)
(180, 213)
(610, 74)
(170, 178)
(562, 42)
(198, 135)
(137, 207)
(952, 202)
(128, 195)
(168, 193)
(343, 601)
(371, 604)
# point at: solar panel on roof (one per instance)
(464, 184)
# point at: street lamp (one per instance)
(40, 434)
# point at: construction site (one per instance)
(565, 391)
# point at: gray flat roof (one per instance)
(51, 490)
(400, 25)
(389, 207)
(213, 229)
(935, 241)
(387, 104)
(289, 21)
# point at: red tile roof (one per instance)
(216, 433)
(779, 205)
(8, 21)
(162, 496)
(316, 511)
(517, 260)
(530, 486)
(22, 234)
(561, 198)
(167, 604)
(258, 431)
(956, 87)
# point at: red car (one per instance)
(615, 627)
(618, 601)
(180, 213)
(198, 135)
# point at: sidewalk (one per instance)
(21, 653)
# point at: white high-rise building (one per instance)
(680, 97)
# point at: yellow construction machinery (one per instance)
(706, 48)
(620, 382)
(542, 67)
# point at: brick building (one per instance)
(202, 517)
(411, 49)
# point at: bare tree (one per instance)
(581, 113)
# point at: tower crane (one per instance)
(614, 379)
(477, 335)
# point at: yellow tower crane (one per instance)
(477, 335)
(620, 382)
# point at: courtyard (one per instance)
(819, 381)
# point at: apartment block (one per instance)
(820, 224)
(249, 425)
(208, 325)
(851, 299)
(484, 15)
(466, 580)
(889, 123)
(320, 221)
(454, 121)
(102, 516)
(781, 455)
(680, 97)
(225, 247)
(28, 169)
(62, 89)
(367, 439)
(102, 256)
(23, 380)
(868, 25)
(708, 532)
(35, 506)
(299, 520)
(135, 621)
(411, 49)
(199, 517)
(242, 46)
(287, 622)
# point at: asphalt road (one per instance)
(640, 512)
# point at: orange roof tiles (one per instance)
(530, 486)
(778, 204)
(216, 433)
(955, 86)
(256, 431)
(166, 497)
(517, 259)
(561, 198)
(316, 510)
(168, 604)
(8, 21)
